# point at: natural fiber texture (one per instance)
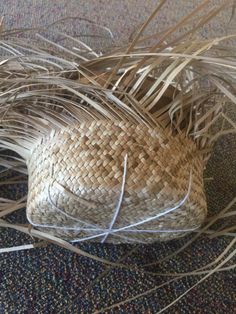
(156, 107)
(78, 118)
(77, 173)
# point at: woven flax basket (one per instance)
(115, 144)
(76, 175)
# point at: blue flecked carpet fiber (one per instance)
(54, 280)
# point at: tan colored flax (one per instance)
(73, 117)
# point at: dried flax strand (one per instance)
(175, 89)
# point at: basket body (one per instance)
(76, 175)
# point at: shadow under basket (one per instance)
(116, 182)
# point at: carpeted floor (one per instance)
(53, 280)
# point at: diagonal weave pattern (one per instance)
(75, 179)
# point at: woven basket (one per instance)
(115, 144)
(76, 175)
